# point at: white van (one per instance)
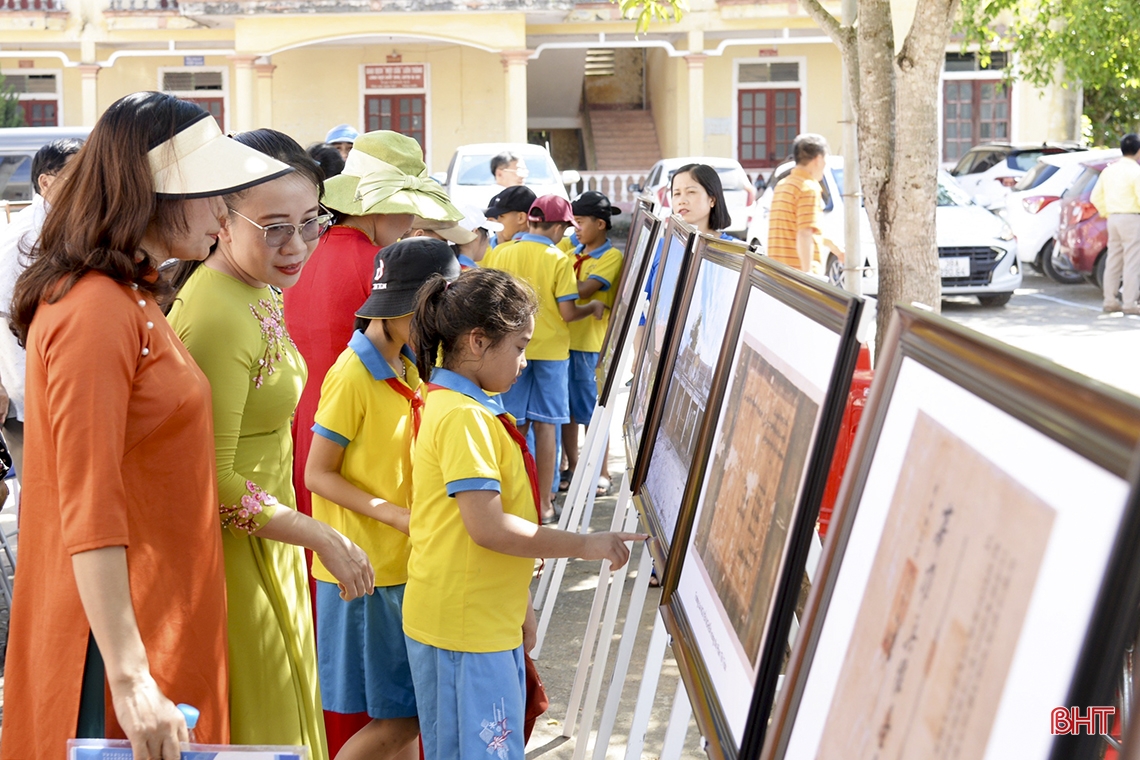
(469, 181)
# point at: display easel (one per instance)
(582, 494)
(610, 584)
(654, 661)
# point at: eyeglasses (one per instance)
(277, 235)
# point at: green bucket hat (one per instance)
(385, 174)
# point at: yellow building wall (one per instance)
(667, 86)
(69, 101)
(824, 93)
(314, 89)
(822, 96)
(134, 74)
(1045, 114)
(72, 98)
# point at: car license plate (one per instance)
(955, 266)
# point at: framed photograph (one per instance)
(753, 494)
(981, 568)
(704, 310)
(667, 274)
(119, 749)
(643, 233)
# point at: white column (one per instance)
(514, 68)
(696, 64)
(244, 93)
(89, 73)
(264, 94)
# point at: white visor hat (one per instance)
(199, 162)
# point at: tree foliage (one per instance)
(645, 11)
(1094, 44)
(11, 115)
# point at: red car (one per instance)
(1083, 235)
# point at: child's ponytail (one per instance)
(481, 299)
(427, 337)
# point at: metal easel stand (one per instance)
(625, 513)
(580, 497)
(579, 501)
(682, 710)
(571, 509)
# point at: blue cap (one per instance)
(190, 714)
(341, 133)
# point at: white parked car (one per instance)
(469, 182)
(1033, 210)
(738, 191)
(989, 171)
(977, 252)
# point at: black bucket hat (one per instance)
(400, 270)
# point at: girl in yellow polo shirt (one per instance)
(360, 471)
(474, 524)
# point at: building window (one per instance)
(40, 113)
(973, 111)
(769, 121)
(398, 113)
(207, 87)
(396, 98)
(958, 62)
(39, 96)
(769, 104)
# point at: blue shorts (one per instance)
(540, 394)
(472, 704)
(362, 659)
(583, 385)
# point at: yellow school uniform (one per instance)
(490, 254)
(567, 245)
(604, 265)
(550, 273)
(460, 596)
(362, 413)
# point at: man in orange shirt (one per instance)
(794, 235)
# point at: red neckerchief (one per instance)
(579, 260)
(417, 401)
(528, 460)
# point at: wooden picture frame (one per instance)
(786, 366)
(676, 248)
(644, 228)
(660, 476)
(985, 450)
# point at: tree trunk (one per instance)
(896, 101)
(877, 113)
(908, 253)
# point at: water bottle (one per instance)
(191, 715)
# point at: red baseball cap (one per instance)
(552, 208)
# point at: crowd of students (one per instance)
(342, 340)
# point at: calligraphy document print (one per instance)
(943, 607)
(758, 465)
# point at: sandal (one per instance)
(604, 487)
(564, 478)
(553, 517)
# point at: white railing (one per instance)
(614, 184)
